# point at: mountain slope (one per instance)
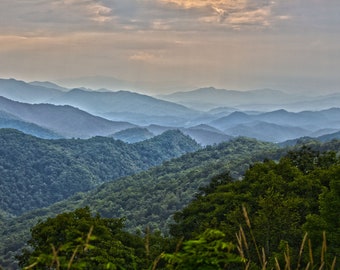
(64, 120)
(36, 173)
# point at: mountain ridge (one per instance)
(64, 120)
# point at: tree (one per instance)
(83, 241)
(327, 220)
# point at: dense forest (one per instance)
(151, 198)
(36, 173)
(281, 215)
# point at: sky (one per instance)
(163, 46)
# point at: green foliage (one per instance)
(209, 251)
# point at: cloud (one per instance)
(232, 13)
(93, 10)
(44, 17)
(53, 17)
(143, 57)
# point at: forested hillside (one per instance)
(276, 204)
(257, 223)
(36, 173)
(151, 197)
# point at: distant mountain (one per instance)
(310, 120)
(222, 111)
(145, 120)
(232, 120)
(314, 120)
(316, 103)
(202, 134)
(329, 137)
(206, 128)
(121, 102)
(96, 82)
(322, 132)
(157, 129)
(49, 85)
(258, 100)
(117, 106)
(25, 92)
(267, 131)
(311, 140)
(210, 97)
(10, 121)
(133, 135)
(64, 120)
(206, 135)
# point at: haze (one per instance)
(159, 46)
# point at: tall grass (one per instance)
(243, 247)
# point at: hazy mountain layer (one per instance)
(64, 120)
(121, 102)
(145, 111)
(132, 135)
(25, 92)
(10, 121)
(260, 100)
(209, 98)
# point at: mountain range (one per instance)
(131, 117)
(262, 99)
(136, 156)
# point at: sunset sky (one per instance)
(161, 46)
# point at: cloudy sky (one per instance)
(159, 46)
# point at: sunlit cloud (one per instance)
(233, 13)
(143, 57)
(254, 17)
(92, 9)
